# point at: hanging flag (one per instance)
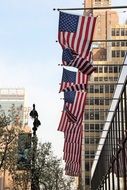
(71, 173)
(73, 134)
(75, 102)
(73, 81)
(69, 58)
(72, 151)
(72, 168)
(76, 32)
(67, 146)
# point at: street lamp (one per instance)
(34, 172)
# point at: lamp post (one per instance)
(34, 172)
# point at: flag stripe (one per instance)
(72, 152)
(73, 135)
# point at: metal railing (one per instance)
(109, 170)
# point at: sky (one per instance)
(29, 58)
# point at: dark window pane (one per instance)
(113, 31)
(122, 53)
(101, 89)
(122, 31)
(106, 69)
(115, 70)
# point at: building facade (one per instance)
(108, 54)
(10, 97)
(13, 99)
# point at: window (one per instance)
(122, 44)
(96, 114)
(113, 31)
(86, 141)
(86, 154)
(122, 31)
(96, 89)
(101, 102)
(110, 69)
(113, 53)
(91, 101)
(92, 115)
(101, 89)
(92, 127)
(97, 140)
(106, 88)
(105, 69)
(92, 154)
(95, 78)
(100, 70)
(110, 78)
(91, 89)
(92, 140)
(111, 88)
(119, 69)
(100, 78)
(97, 127)
(113, 44)
(115, 78)
(97, 101)
(101, 126)
(122, 53)
(105, 78)
(96, 71)
(102, 115)
(117, 44)
(117, 53)
(87, 181)
(117, 32)
(87, 167)
(86, 116)
(87, 127)
(115, 70)
(106, 102)
(125, 32)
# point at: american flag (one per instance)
(71, 173)
(72, 151)
(73, 81)
(73, 134)
(67, 145)
(75, 102)
(72, 168)
(76, 32)
(84, 65)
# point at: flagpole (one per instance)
(89, 8)
(111, 40)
